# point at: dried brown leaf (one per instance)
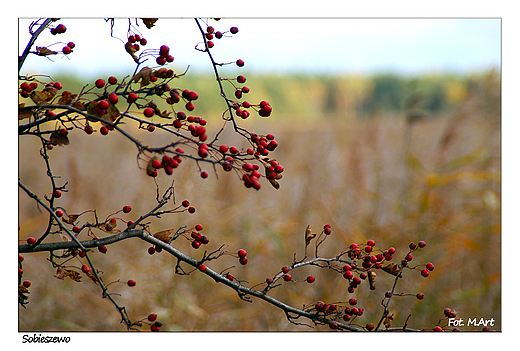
(58, 139)
(24, 114)
(308, 235)
(42, 97)
(372, 280)
(131, 50)
(73, 275)
(22, 291)
(67, 99)
(61, 273)
(43, 51)
(388, 320)
(92, 277)
(79, 105)
(165, 235)
(70, 218)
(145, 74)
(392, 269)
(149, 22)
(274, 183)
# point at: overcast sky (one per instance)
(330, 46)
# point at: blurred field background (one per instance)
(358, 153)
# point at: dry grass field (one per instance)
(381, 178)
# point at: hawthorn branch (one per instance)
(34, 36)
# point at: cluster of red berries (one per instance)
(198, 239)
(242, 256)
(134, 39)
(164, 55)
(167, 162)
(335, 311)
(264, 108)
(210, 33)
(59, 29)
(68, 48)
(175, 97)
(26, 88)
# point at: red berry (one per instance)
(113, 98)
(243, 260)
(127, 209)
(60, 28)
(161, 60)
(131, 97)
(148, 112)
(425, 273)
(76, 229)
(369, 326)
(58, 86)
(233, 150)
(269, 280)
(164, 50)
(185, 203)
(66, 50)
(103, 104)
(240, 63)
(202, 268)
(210, 44)
(348, 275)
(203, 174)
(420, 296)
(85, 268)
(437, 329)
(143, 41)
(190, 106)
(89, 129)
(31, 241)
(112, 80)
(102, 249)
(287, 277)
(412, 246)
(192, 96)
(20, 258)
(320, 305)
(233, 30)
(57, 193)
(59, 213)
(371, 243)
(310, 279)
(100, 83)
(391, 251)
(131, 282)
(430, 266)
(27, 283)
(422, 244)
(103, 130)
(152, 317)
(285, 269)
(242, 253)
(409, 257)
(191, 209)
(151, 250)
(155, 328)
